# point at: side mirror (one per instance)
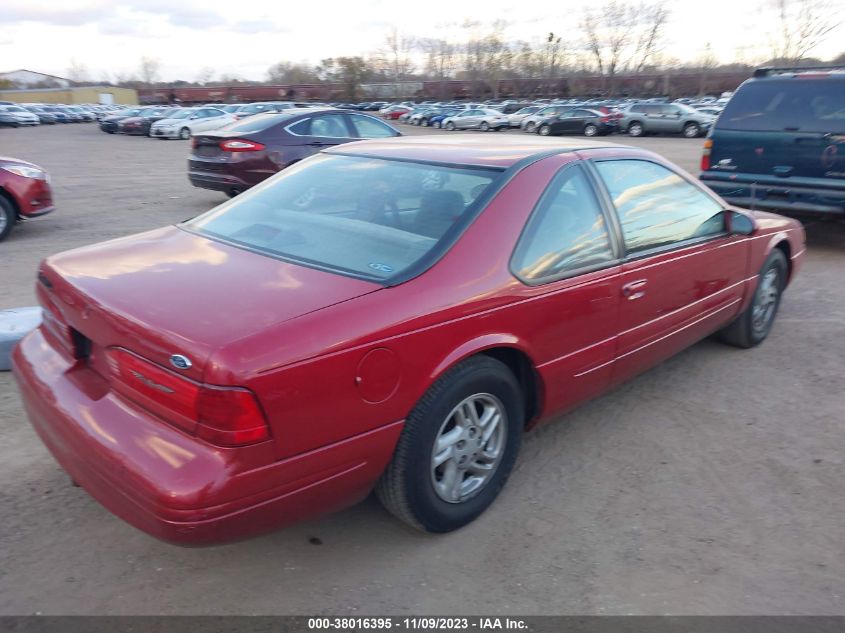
(741, 224)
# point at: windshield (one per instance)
(360, 216)
(789, 105)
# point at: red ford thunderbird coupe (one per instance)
(387, 315)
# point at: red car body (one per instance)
(336, 363)
(26, 196)
(395, 113)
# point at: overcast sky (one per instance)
(244, 38)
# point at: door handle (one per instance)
(634, 289)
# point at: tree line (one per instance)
(610, 39)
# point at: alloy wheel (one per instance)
(468, 448)
(765, 301)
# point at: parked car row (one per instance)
(22, 114)
(589, 119)
(176, 122)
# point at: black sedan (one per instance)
(140, 125)
(109, 124)
(578, 121)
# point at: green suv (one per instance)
(780, 142)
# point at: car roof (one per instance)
(467, 149)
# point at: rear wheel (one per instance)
(457, 449)
(424, 122)
(692, 130)
(485, 127)
(635, 129)
(184, 134)
(7, 217)
(530, 126)
(544, 130)
(437, 125)
(590, 130)
(753, 326)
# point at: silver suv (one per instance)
(665, 118)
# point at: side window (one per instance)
(566, 231)
(329, 125)
(300, 128)
(656, 206)
(365, 127)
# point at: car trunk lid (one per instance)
(170, 292)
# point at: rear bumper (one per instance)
(776, 196)
(217, 181)
(171, 485)
(159, 133)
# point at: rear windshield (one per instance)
(365, 217)
(805, 105)
(258, 123)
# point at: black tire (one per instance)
(692, 130)
(745, 331)
(424, 122)
(530, 126)
(8, 217)
(485, 127)
(184, 134)
(591, 130)
(544, 130)
(450, 126)
(406, 488)
(635, 129)
(437, 125)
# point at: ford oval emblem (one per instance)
(180, 362)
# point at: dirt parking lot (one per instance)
(713, 484)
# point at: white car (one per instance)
(477, 119)
(189, 121)
(15, 115)
(515, 119)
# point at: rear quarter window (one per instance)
(793, 105)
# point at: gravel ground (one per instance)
(713, 484)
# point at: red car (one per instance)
(24, 193)
(394, 112)
(388, 314)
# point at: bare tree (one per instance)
(441, 60)
(623, 37)
(204, 75)
(397, 54)
(651, 20)
(802, 26)
(706, 63)
(551, 55)
(608, 34)
(149, 70)
(291, 73)
(77, 72)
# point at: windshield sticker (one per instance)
(382, 268)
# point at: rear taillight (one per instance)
(240, 145)
(224, 416)
(705, 154)
(605, 119)
(193, 141)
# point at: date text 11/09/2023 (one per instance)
(478, 623)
